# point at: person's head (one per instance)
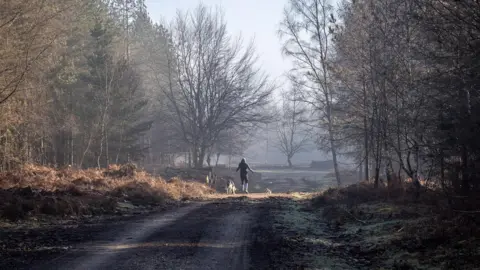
(243, 160)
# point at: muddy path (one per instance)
(201, 235)
(257, 231)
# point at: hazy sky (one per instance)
(257, 19)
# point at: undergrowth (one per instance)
(37, 190)
(365, 191)
(399, 228)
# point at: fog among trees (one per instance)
(391, 85)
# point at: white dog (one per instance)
(230, 188)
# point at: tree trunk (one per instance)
(290, 165)
(218, 157)
(195, 156)
(365, 123)
(5, 147)
(54, 158)
(333, 147)
(42, 150)
(101, 149)
(85, 150)
(107, 160)
(117, 156)
(389, 172)
(365, 128)
(71, 149)
(201, 157)
(209, 159)
(198, 157)
(360, 173)
(334, 150)
(377, 169)
(335, 165)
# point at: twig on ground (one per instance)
(354, 216)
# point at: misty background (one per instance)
(259, 20)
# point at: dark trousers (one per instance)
(244, 178)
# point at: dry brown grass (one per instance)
(35, 190)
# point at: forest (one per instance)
(392, 85)
(94, 94)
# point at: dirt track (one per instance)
(202, 235)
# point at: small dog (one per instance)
(230, 188)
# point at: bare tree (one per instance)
(292, 133)
(214, 84)
(229, 142)
(306, 30)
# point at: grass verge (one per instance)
(359, 227)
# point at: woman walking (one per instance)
(243, 167)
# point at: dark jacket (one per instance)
(243, 167)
